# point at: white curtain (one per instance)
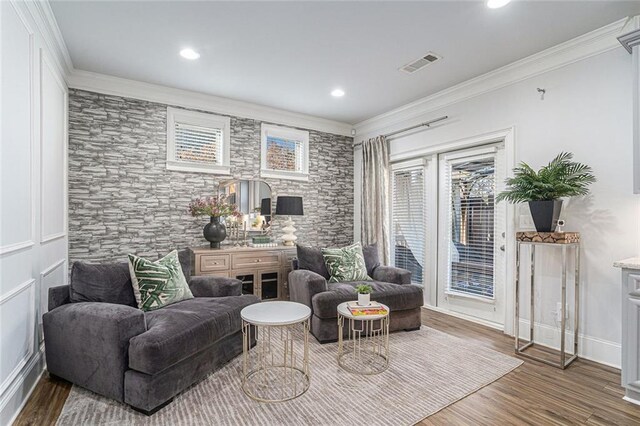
(375, 195)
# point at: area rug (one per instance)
(429, 370)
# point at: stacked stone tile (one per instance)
(122, 199)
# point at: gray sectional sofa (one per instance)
(391, 286)
(97, 338)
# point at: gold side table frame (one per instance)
(366, 348)
(276, 369)
(519, 350)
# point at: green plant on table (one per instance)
(364, 289)
(562, 177)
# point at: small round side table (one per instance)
(277, 368)
(366, 347)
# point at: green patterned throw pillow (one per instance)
(345, 264)
(160, 283)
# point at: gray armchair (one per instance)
(392, 286)
(97, 338)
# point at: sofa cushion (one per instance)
(182, 329)
(345, 264)
(371, 257)
(310, 259)
(160, 283)
(107, 283)
(397, 297)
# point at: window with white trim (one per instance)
(285, 153)
(198, 142)
(408, 218)
(471, 188)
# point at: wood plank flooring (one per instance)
(534, 393)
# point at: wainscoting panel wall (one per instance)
(122, 199)
(52, 152)
(32, 194)
(17, 99)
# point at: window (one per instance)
(197, 142)
(408, 219)
(285, 153)
(471, 187)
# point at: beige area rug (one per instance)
(429, 370)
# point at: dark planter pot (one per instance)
(215, 232)
(545, 214)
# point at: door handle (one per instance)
(502, 248)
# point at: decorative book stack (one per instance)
(374, 308)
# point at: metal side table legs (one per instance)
(564, 362)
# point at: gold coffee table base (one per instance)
(366, 348)
(277, 368)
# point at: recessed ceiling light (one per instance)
(495, 4)
(189, 54)
(337, 93)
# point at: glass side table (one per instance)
(564, 241)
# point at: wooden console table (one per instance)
(561, 240)
(262, 270)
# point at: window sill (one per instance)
(198, 168)
(457, 294)
(284, 175)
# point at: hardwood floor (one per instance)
(534, 393)
(45, 403)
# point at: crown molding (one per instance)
(631, 34)
(593, 43)
(48, 28)
(116, 86)
(629, 40)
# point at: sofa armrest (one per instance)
(58, 296)
(210, 286)
(303, 285)
(87, 344)
(390, 274)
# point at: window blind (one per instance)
(285, 154)
(471, 187)
(195, 144)
(408, 227)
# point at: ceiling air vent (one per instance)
(420, 63)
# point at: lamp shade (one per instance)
(265, 207)
(289, 206)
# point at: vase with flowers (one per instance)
(215, 207)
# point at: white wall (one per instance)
(33, 229)
(587, 110)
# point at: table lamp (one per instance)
(289, 206)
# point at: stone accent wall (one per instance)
(122, 199)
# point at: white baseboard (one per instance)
(17, 394)
(490, 324)
(591, 348)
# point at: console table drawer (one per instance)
(240, 261)
(219, 262)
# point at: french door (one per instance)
(449, 232)
(471, 233)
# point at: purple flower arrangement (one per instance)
(213, 207)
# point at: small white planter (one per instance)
(364, 299)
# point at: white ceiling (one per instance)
(290, 55)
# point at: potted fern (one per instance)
(544, 189)
(364, 294)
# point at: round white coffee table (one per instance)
(277, 368)
(365, 350)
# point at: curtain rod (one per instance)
(406, 129)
